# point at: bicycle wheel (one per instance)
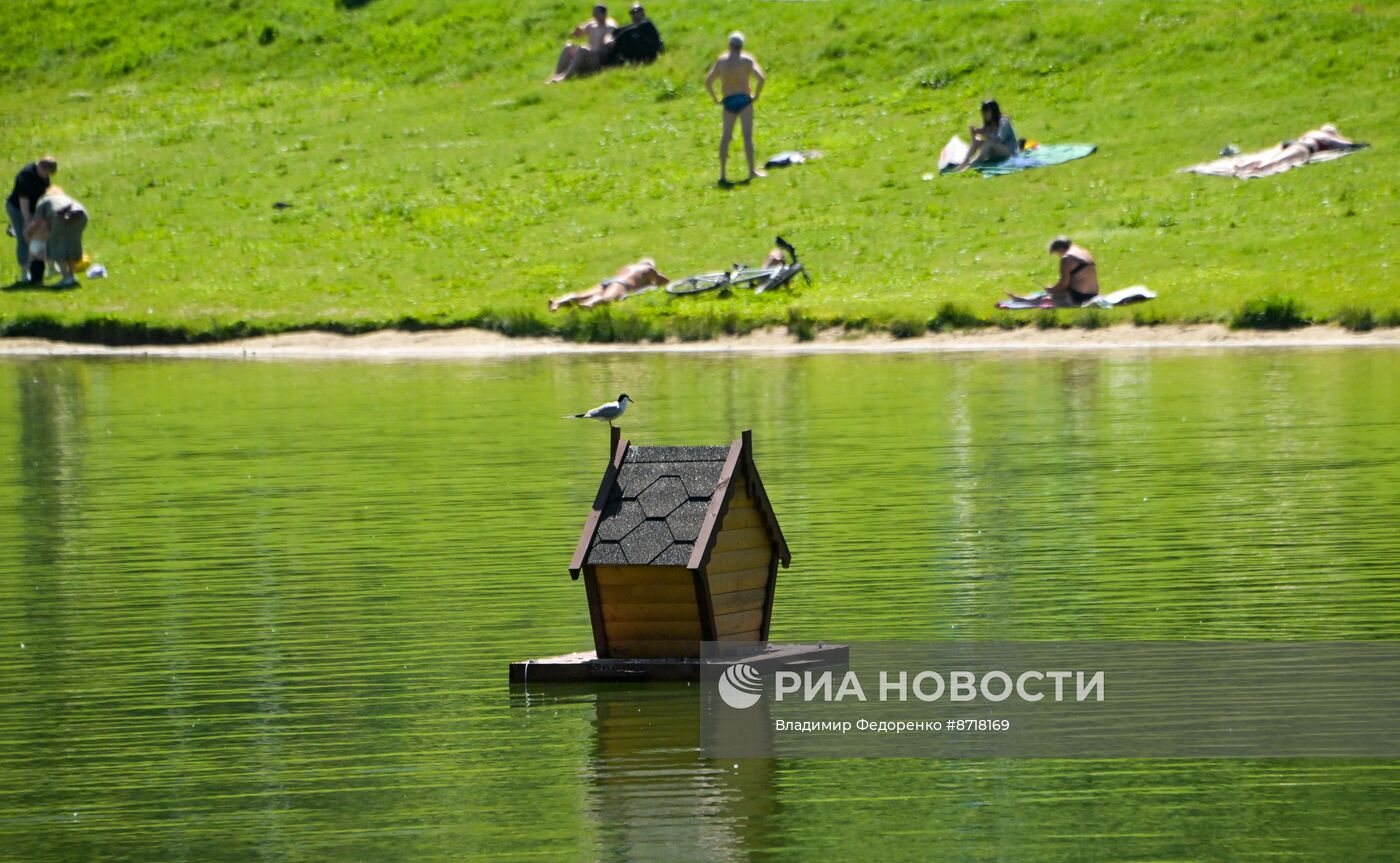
(753, 278)
(698, 284)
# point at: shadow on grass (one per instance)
(728, 185)
(55, 288)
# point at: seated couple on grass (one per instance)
(606, 44)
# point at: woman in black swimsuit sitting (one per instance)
(1079, 277)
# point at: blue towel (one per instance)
(1041, 157)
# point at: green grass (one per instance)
(1273, 312)
(436, 184)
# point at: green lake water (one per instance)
(263, 611)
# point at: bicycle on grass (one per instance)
(759, 279)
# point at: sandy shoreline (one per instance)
(480, 344)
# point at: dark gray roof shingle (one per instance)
(619, 519)
(670, 454)
(662, 496)
(655, 509)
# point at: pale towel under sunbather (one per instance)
(1289, 154)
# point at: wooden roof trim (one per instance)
(719, 505)
(761, 499)
(590, 527)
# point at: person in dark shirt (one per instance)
(638, 42)
(31, 183)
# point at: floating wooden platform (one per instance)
(586, 666)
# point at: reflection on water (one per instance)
(263, 611)
(651, 794)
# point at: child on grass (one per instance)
(38, 236)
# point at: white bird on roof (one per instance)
(604, 412)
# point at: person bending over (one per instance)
(994, 139)
(60, 220)
(585, 59)
(1079, 276)
(631, 279)
(735, 70)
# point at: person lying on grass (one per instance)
(578, 60)
(1293, 153)
(734, 69)
(994, 140)
(631, 279)
(1079, 276)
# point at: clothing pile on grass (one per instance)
(792, 157)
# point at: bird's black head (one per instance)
(625, 398)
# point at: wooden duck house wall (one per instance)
(681, 547)
(742, 569)
(645, 611)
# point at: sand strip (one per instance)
(480, 344)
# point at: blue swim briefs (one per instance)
(737, 102)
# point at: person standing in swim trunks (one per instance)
(735, 70)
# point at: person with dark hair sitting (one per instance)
(637, 42)
(995, 139)
(1079, 275)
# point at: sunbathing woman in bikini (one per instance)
(631, 279)
(1291, 153)
(1079, 275)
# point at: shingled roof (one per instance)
(657, 504)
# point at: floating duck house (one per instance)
(681, 547)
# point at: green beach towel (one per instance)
(1042, 156)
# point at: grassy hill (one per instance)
(435, 181)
